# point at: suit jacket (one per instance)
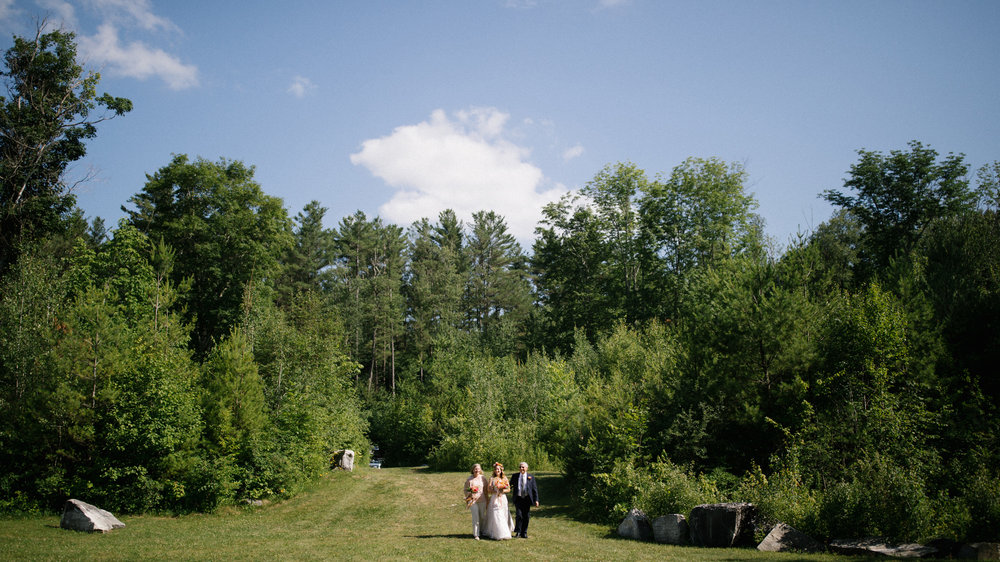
(531, 489)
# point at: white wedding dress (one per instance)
(499, 523)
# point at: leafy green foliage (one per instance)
(484, 429)
(114, 415)
(898, 195)
(625, 247)
(668, 356)
(225, 231)
(309, 256)
(306, 383)
(435, 283)
(496, 292)
(30, 298)
(590, 257)
(658, 488)
(45, 120)
(368, 277)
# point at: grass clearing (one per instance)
(388, 514)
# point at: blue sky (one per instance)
(404, 108)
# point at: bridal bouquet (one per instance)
(502, 486)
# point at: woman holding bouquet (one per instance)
(499, 523)
(475, 498)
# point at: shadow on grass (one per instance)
(554, 495)
(464, 536)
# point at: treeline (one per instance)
(654, 345)
(845, 383)
(174, 365)
(112, 390)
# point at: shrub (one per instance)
(506, 442)
(657, 489)
(672, 489)
(608, 496)
(880, 499)
(982, 499)
(783, 498)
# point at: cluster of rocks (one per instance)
(730, 525)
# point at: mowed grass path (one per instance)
(388, 514)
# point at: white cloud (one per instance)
(301, 86)
(59, 13)
(462, 162)
(133, 12)
(135, 59)
(572, 152)
(6, 9)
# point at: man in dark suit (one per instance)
(524, 490)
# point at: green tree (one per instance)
(31, 317)
(571, 273)
(226, 233)
(614, 192)
(591, 257)
(233, 405)
(957, 268)
(369, 269)
(748, 328)
(623, 248)
(306, 382)
(864, 395)
(988, 186)
(110, 389)
(699, 217)
(45, 120)
(435, 276)
(352, 241)
(837, 245)
(475, 433)
(896, 196)
(310, 253)
(497, 294)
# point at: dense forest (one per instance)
(653, 344)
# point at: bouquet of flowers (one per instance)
(502, 485)
(471, 496)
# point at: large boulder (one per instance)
(344, 458)
(881, 547)
(785, 538)
(81, 516)
(980, 551)
(670, 529)
(636, 526)
(722, 525)
(946, 548)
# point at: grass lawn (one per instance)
(388, 514)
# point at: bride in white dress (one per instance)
(499, 523)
